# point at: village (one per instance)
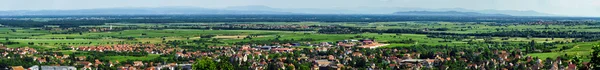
(340, 55)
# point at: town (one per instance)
(64, 43)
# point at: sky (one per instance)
(590, 8)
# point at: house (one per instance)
(85, 63)
(572, 66)
(35, 67)
(282, 49)
(295, 44)
(97, 62)
(185, 66)
(325, 44)
(345, 44)
(2, 46)
(323, 63)
(17, 68)
(322, 49)
(413, 61)
(151, 68)
(357, 53)
(138, 63)
(81, 58)
(58, 68)
(371, 44)
(367, 41)
(245, 48)
(265, 47)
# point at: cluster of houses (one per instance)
(43, 68)
(171, 66)
(149, 48)
(20, 51)
(259, 26)
(43, 58)
(346, 52)
(90, 29)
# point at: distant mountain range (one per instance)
(445, 13)
(138, 11)
(384, 10)
(258, 9)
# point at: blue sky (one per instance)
(560, 7)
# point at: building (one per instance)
(18, 68)
(413, 61)
(52, 68)
(34, 68)
(323, 63)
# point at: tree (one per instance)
(595, 62)
(224, 64)
(304, 66)
(204, 63)
(13, 30)
(531, 46)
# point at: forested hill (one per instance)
(445, 13)
(136, 11)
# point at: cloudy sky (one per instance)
(560, 7)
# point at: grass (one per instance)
(522, 39)
(582, 49)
